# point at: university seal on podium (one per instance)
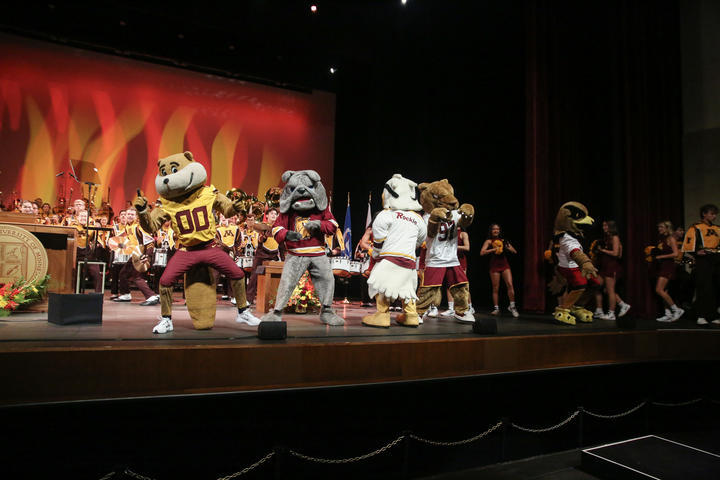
(21, 255)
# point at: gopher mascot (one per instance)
(304, 221)
(188, 204)
(443, 217)
(574, 269)
(397, 233)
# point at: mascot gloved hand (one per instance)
(443, 216)
(304, 221)
(188, 204)
(574, 269)
(397, 233)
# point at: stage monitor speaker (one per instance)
(71, 308)
(485, 326)
(272, 330)
(626, 323)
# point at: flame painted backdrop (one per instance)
(59, 104)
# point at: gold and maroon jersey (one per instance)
(701, 236)
(229, 235)
(192, 219)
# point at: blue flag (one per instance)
(347, 233)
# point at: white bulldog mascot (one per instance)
(398, 231)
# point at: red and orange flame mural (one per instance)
(60, 105)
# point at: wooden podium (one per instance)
(267, 285)
(59, 243)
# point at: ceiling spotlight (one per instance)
(313, 8)
(404, 2)
(333, 70)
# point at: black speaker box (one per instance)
(70, 308)
(485, 326)
(272, 330)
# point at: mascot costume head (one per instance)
(574, 270)
(398, 231)
(303, 223)
(189, 205)
(443, 217)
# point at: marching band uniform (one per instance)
(128, 274)
(704, 237)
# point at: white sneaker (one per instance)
(609, 316)
(471, 309)
(701, 321)
(432, 311)
(467, 317)
(495, 311)
(123, 298)
(598, 313)
(450, 312)
(247, 317)
(716, 321)
(665, 318)
(676, 314)
(224, 297)
(164, 325)
(623, 309)
(233, 301)
(513, 310)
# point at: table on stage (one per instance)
(267, 284)
(59, 243)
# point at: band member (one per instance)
(666, 266)
(267, 248)
(609, 271)
(229, 239)
(164, 250)
(702, 240)
(119, 227)
(128, 273)
(496, 247)
(85, 239)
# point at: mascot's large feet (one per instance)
(328, 317)
(408, 320)
(377, 320)
(563, 315)
(582, 314)
(272, 316)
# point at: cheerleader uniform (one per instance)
(498, 261)
(609, 265)
(666, 266)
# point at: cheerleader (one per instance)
(666, 266)
(496, 247)
(609, 271)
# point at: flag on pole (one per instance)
(368, 220)
(347, 232)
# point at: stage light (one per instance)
(333, 70)
(313, 8)
(404, 2)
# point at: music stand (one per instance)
(87, 173)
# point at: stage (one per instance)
(119, 358)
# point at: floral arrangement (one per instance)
(304, 296)
(21, 293)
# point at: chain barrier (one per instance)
(251, 467)
(681, 404)
(348, 460)
(548, 429)
(618, 415)
(132, 474)
(412, 436)
(459, 442)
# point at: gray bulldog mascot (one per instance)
(304, 221)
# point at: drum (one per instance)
(340, 266)
(161, 257)
(355, 268)
(365, 268)
(121, 258)
(245, 263)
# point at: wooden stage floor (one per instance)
(120, 358)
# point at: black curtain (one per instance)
(603, 127)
